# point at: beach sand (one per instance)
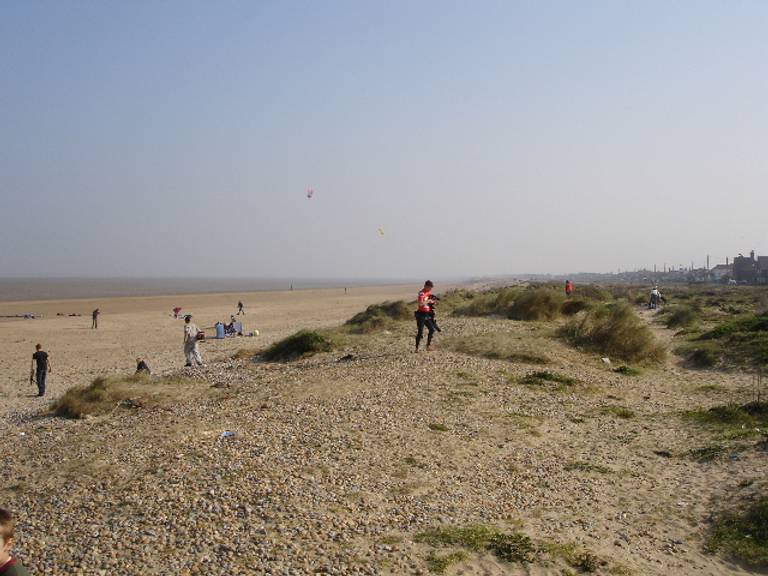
(145, 327)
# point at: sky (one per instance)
(179, 138)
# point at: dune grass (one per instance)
(379, 317)
(742, 534)
(496, 346)
(732, 420)
(681, 316)
(106, 394)
(302, 344)
(549, 379)
(508, 546)
(536, 304)
(615, 331)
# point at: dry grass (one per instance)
(107, 394)
(496, 346)
(616, 331)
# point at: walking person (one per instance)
(568, 287)
(424, 315)
(95, 315)
(40, 367)
(240, 308)
(191, 346)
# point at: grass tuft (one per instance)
(378, 317)
(106, 394)
(301, 344)
(618, 411)
(616, 331)
(496, 346)
(742, 534)
(544, 378)
(627, 371)
(510, 547)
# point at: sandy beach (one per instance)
(133, 327)
(364, 460)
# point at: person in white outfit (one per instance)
(191, 347)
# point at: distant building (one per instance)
(721, 273)
(750, 270)
(762, 269)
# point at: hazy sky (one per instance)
(179, 138)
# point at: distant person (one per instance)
(653, 303)
(95, 315)
(240, 308)
(9, 566)
(176, 312)
(425, 315)
(142, 367)
(568, 287)
(40, 367)
(191, 346)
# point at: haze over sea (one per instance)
(20, 289)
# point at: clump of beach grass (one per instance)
(536, 304)
(616, 331)
(742, 534)
(732, 420)
(302, 344)
(546, 378)
(496, 346)
(107, 394)
(508, 546)
(378, 317)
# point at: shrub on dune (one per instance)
(379, 316)
(614, 330)
(300, 345)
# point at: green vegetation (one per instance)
(627, 371)
(496, 346)
(739, 342)
(300, 345)
(106, 394)
(439, 564)
(536, 304)
(543, 378)
(573, 306)
(510, 547)
(732, 420)
(378, 317)
(707, 453)
(438, 427)
(682, 316)
(742, 535)
(617, 411)
(616, 331)
(587, 467)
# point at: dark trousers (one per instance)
(40, 379)
(424, 319)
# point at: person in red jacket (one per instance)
(425, 315)
(568, 287)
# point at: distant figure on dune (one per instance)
(176, 312)
(425, 315)
(95, 316)
(568, 287)
(41, 365)
(240, 308)
(656, 298)
(191, 346)
(142, 367)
